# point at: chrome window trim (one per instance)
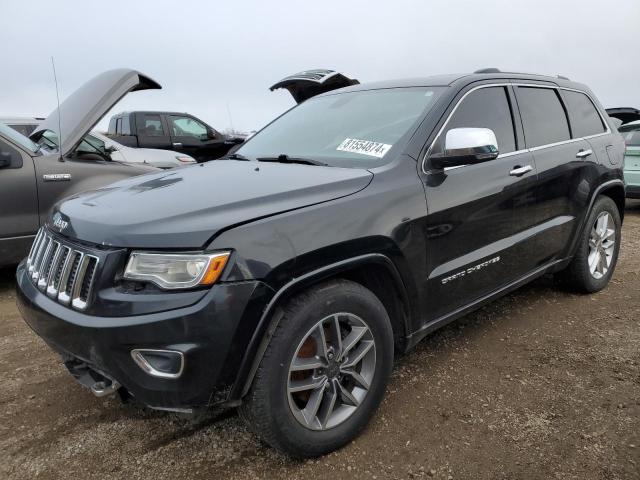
(525, 150)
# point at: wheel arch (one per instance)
(374, 271)
(613, 189)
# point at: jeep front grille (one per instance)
(63, 272)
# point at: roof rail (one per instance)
(488, 70)
(562, 77)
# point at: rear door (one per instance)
(193, 137)
(566, 167)
(586, 122)
(152, 131)
(479, 224)
(18, 203)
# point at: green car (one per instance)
(631, 134)
(630, 130)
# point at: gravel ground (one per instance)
(541, 384)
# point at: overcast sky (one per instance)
(215, 57)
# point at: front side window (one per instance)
(152, 126)
(483, 108)
(583, 115)
(187, 127)
(9, 157)
(351, 129)
(543, 116)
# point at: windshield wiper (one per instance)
(284, 158)
(235, 156)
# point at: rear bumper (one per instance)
(632, 179)
(633, 191)
(212, 335)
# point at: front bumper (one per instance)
(212, 334)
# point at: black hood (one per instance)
(310, 83)
(624, 114)
(184, 208)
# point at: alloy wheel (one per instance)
(331, 371)
(602, 242)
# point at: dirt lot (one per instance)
(541, 384)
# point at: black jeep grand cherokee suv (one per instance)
(283, 279)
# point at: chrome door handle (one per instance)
(519, 171)
(584, 153)
(177, 144)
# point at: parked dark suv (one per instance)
(283, 279)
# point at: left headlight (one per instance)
(173, 271)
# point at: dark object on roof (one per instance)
(624, 114)
(488, 70)
(310, 83)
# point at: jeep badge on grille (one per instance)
(59, 222)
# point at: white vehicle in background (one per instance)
(118, 152)
(151, 156)
(24, 125)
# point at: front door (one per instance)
(193, 137)
(18, 203)
(479, 230)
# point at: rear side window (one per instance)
(24, 129)
(126, 126)
(543, 116)
(583, 115)
(484, 108)
(151, 126)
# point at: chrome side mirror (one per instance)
(465, 146)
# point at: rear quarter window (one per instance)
(583, 115)
(543, 116)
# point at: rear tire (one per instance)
(330, 326)
(597, 253)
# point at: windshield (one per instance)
(18, 138)
(353, 129)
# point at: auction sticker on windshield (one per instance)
(365, 147)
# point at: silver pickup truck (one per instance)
(39, 170)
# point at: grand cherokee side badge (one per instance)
(470, 270)
(59, 222)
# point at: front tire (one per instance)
(597, 254)
(324, 372)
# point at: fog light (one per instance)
(159, 363)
